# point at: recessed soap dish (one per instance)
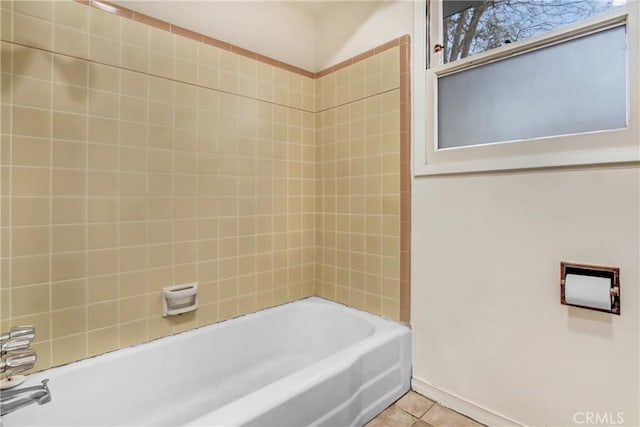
(179, 299)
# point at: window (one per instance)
(530, 83)
(579, 85)
(472, 27)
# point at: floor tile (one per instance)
(421, 423)
(414, 404)
(439, 416)
(392, 417)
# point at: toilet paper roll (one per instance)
(588, 291)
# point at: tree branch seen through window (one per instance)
(493, 23)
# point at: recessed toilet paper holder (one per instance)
(179, 299)
(590, 286)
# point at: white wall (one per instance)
(489, 333)
(356, 26)
(271, 28)
(486, 314)
(320, 38)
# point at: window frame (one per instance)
(588, 148)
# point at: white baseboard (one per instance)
(458, 404)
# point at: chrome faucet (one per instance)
(16, 356)
(10, 400)
(16, 361)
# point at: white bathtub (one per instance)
(311, 362)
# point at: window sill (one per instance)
(605, 156)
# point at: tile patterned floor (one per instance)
(415, 410)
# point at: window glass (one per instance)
(472, 27)
(572, 87)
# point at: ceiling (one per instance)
(310, 34)
(265, 27)
(311, 8)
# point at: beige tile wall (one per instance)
(358, 184)
(133, 158)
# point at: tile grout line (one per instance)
(9, 165)
(197, 191)
(92, 61)
(86, 211)
(146, 222)
(51, 76)
(10, 169)
(118, 198)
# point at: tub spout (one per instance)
(11, 400)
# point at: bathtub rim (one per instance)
(300, 381)
(200, 329)
(380, 324)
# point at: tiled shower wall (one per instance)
(134, 158)
(358, 258)
(136, 155)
